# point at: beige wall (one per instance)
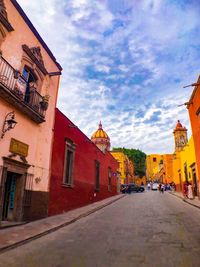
(37, 136)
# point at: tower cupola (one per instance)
(101, 139)
(180, 136)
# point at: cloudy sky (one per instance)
(125, 63)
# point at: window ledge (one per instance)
(68, 185)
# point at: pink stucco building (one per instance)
(29, 79)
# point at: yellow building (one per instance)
(130, 172)
(152, 165)
(140, 180)
(185, 166)
(167, 168)
(123, 165)
(160, 167)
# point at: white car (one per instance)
(155, 186)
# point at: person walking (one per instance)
(149, 186)
(162, 188)
(185, 190)
(190, 193)
(159, 187)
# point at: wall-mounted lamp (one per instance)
(186, 104)
(9, 123)
(192, 84)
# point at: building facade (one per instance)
(81, 172)
(130, 171)
(184, 160)
(184, 167)
(29, 79)
(153, 162)
(194, 113)
(123, 160)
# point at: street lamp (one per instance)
(9, 123)
(193, 84)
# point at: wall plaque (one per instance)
(18, 148)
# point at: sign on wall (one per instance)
(18, 148)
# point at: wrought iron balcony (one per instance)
(13, 88)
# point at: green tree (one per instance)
(138, 158)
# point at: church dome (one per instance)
(100, 133)
(101, 139)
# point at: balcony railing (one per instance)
(13, 88)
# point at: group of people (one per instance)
(162, 187)
(125, 189)
(187, 190)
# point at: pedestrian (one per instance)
(185, 189)
(190, 193)
(149, 186)
(159, 187)
(162, 188)
(123, 189)
(128, 189)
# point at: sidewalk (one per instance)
(194, 202)
(18, 235)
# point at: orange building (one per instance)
(194, 113)
(126, 167)
(167, 168)
(29, 80)
(130, 171)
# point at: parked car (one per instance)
(135, 188)
(155, 186)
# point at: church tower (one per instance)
(180, 136)
(101, 139)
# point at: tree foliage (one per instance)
(137, 157)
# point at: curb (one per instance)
(191, 204)
(185, 200)
(34, 237)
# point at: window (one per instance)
(25, 86)
(109, 179)
(198, 112)
(30, 79)
(97, 175)
(68, 163)
(154, 160)
(185, 171)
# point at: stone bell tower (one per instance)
(180, 136)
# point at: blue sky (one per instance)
(125, 63)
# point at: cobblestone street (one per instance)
(145, 229)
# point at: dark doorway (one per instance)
(180, 181)
(10, 196)
(194, 178)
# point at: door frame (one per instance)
(14, 166)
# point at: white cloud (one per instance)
(120, 59)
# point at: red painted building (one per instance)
(80, 172)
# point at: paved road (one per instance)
(145, 229)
